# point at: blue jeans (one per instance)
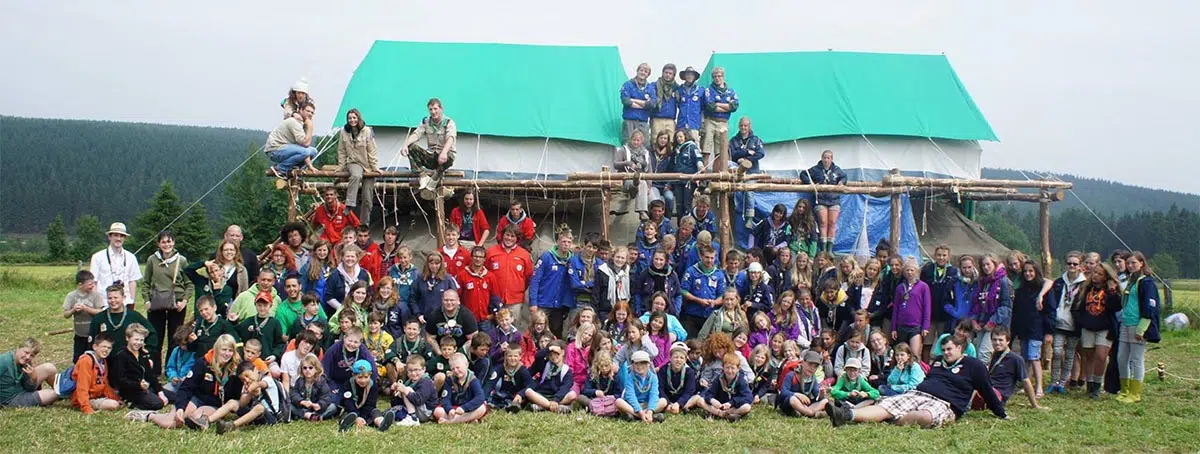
(291, 156)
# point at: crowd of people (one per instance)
(332, 322)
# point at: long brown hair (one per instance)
(315, 264)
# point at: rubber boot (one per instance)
(1093, 389)
(1123, 396)
(1135, 392)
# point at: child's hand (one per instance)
(804, 399)
(145, 385)
(269, 359)
(599, 393)
(704, 382)
(191, 338)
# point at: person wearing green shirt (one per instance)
(266, 329)
(291, 308)
(852, 387)
(243, 306)
(117, 318)
(21, 381)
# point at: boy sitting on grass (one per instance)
(552, 386)
(1007, 371)
(359, 398)
(344, 354)
(414, 398)
(800, 391)
(267, 330)
(505, 387)
(462, 400)
(92, 391)
(133, 374)
(729, 398)
(263, 400)
(439, 366)
(852, 387)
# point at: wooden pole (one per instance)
(293, 192)
(900, 180)
(894, 227)
(1045, 196)
(605, 207)
(667, 176)
(439, 205)
(1044, 219)
(369, 174)
(827, 188)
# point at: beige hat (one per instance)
(640, 357)
(853, 363)
(118, 228)
(301, 86)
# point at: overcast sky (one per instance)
(1103, 89)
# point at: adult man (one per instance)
(243, 306)
(690, 103)
(633, 157)
(289, 144)
(941, 277)
(294, 235)
(115, 265)
(451, 321)
(637, 99)
(517, 216)
(357, 154)
(332, 216)
(665, 106)
(21, 381)
(514, 268)
(233, 234)
(745, 145)
(719, 102)
(441, 135)
(943, 397)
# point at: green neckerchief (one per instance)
(561, 259)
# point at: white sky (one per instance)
(1102, 88)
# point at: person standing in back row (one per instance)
(117, 266)
(829, 205)
(662, 117)
(719, 102)
(638, 101)
(290, 143)
(440, 135)
(690, 104)
(357, 154)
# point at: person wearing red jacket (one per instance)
(372, 259)
(472, 224)
(513, 268)
(516, 216)
(478, 289)
(333, 216)
(455, 256)
(92, 390)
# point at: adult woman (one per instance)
(804, 228)
(993, 303)
(472, 224)
(223, 278)
(754, 291)
(166, 291)
(296, 99)
(662, 160)
(1139, 325)
(773, 232)
(729, 319)
(688, 159)
(426, 296)
(1093, 308)
(828, 204)
(356, 152)
(633, 157)
(320, 266)
(337, 286)
(911, 309)
(658, 277)
(283, 264)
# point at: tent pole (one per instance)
(439, 205)
(894, 231)
(605, 207)
(1044, 219)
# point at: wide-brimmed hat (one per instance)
(687, 70)
(118, 228)
(301, 86)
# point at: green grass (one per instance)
(30, 298)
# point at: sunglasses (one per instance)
(307, 368)
(1072, 264)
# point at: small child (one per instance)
(760, 330)
(414, 398)
(133, 374)
(640, 397)
(477, 355)
(342, 356)
(656, 328)
(311, 398)
(801, 393)
(360, 395)
(378, 343)
(854, 348)
(179, 363)
(92, 391)
(695, 357)
(552, 386)
(503, 335)
(603, 380)
(852, 387)
(636, 339)
(306, 343)
(266, 329)
(906, 372)
(776, 349)
(252, 352)
(407, 345)
(617, 320)
(677, 382)
(763, 385)
(263, 400)
(81, 305)
(505, 387)
(463, 400)
(729, 397)
(312, 313)
(208, 327)
(439, 366)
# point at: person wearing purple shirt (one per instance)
(911, 309)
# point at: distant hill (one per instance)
(1103, 196)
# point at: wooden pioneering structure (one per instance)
(721, 184)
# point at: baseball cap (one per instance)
(853, 363)
(360, 367)
(810, 356)
(680, 346)
(640, 357)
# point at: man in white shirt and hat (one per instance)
(115, 265)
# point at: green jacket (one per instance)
(243, 305)
(114, 325)
(841, 390)
(269, 332)
(158, 276)
(12, 380)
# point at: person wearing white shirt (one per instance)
(114, 264)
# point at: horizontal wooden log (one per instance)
(668, 176)
(818, 188)
(372, 174)
(1056, 196)
(900, 180)
(313, 187)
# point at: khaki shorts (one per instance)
(911, 401)
(714, 135)
(660, 124)
(1093, 339)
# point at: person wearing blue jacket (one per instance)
(800, 391)
(702, 286)
(550, 289)
(941, 277)
(964, 291)
(1139, 319)
(637, 101)
(359, 399)
(426, 296)
(720, 102)
(677, 382)
(1031, 319)
(640, 396)
(665, 108)
(505, 387)
(463, 399)
(551, 388)
(829, 205)
(754, 290)
(341, 357)
(992, 305)
(582, 268)
(745, 145)
(687, 159)
(773, 232)
(730, 397)
(690, 96)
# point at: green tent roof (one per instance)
(511, 90)
(796, 95)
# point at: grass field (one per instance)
(30, 299)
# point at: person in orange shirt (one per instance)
(333, 216)
(92, 391)
(513, 267)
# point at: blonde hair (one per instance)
(230, 367)
(135, 328)
(312, 360)
(603, 359)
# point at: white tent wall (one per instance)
(505, 157)
(869, 158)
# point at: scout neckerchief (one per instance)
(939, 273)
(608, 384)
(375, 345)
(812, 321)
(908, 288)
(487, 364)
(108, 320)
(995, 360)
(202, 330)
(728, 387)
(219, 382)
(258, 326)
(360, 401)
(100, 364)
(346, 355)
(511, 376)
(551, 371)
(461, 389)
(640, 383)
(407, 349)
(671, 388)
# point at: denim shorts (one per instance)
(1031, 350)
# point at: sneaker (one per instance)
(564, 409)
(447, 192)
(838, 415)
(276, 173)
(750, 223)
(408, 421)
(139, 415)
(733, 418)
(347, 421)
(535, 407)
(627, 417)
(200, 423)
(643, 216)
(388, 419)
(512, 408)
(659, 417)
(346, 210)
(617, 213)
(223, 427)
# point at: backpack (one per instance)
(784, 370)
(64, 385)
